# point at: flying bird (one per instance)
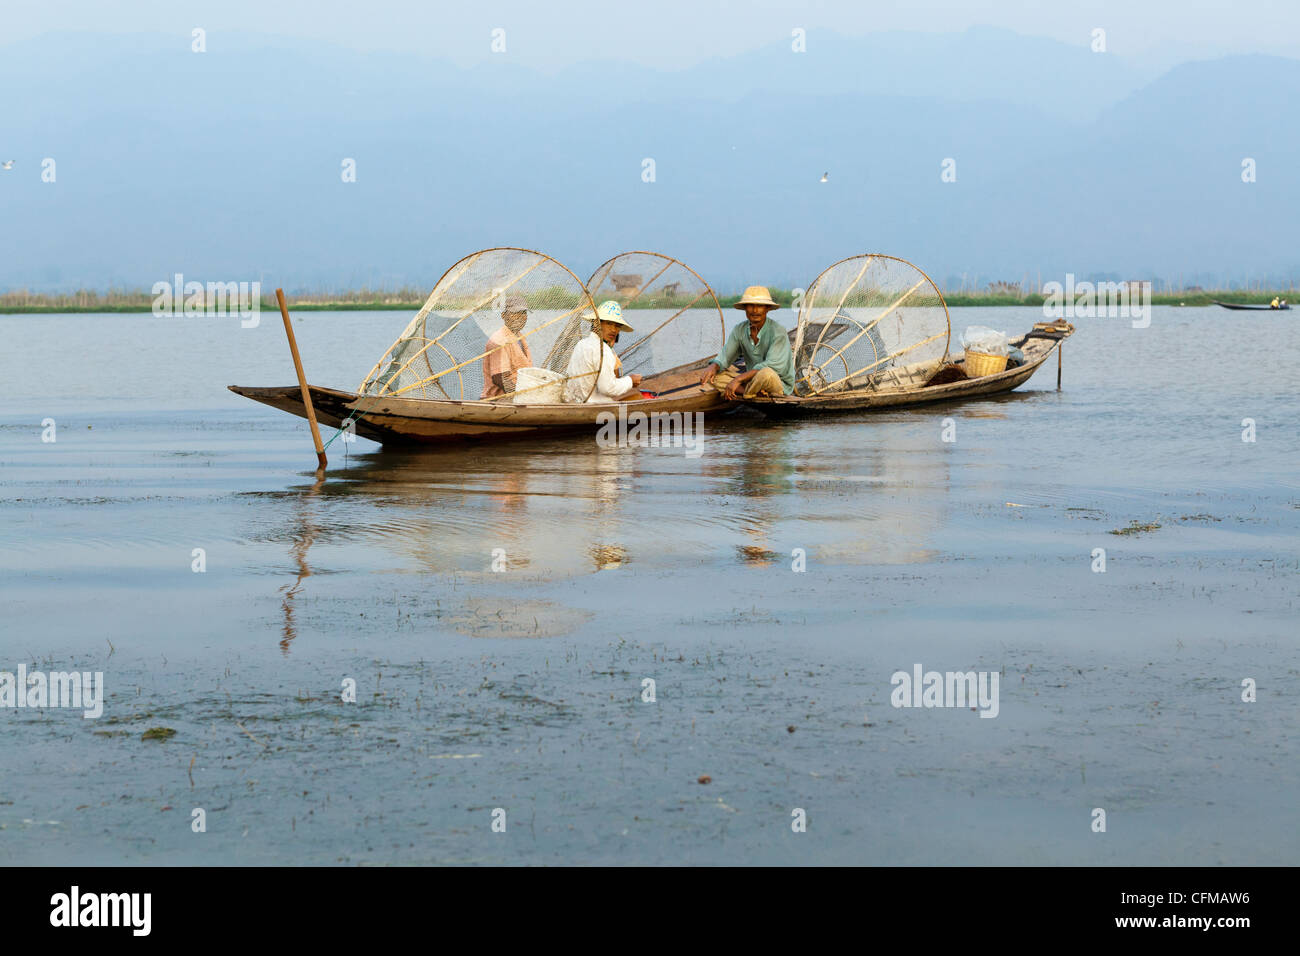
(824, 175)
(7, 164)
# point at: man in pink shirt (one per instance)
(506, 351)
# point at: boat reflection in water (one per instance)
(842, 502)
(305, 527)
(498, 518)
(757, 475)
(555, 509)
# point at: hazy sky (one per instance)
(1070, 162)
(675, 33)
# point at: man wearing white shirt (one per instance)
(593, 360)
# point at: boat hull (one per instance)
(1036, 350)
(330, 404)
(414, 421)
(1239, 307)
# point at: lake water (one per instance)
(522, 690)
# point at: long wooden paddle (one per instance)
(302, 381)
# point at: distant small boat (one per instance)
(1238, 307)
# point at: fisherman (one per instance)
(594, 359)
(507, 352)
(769, 366)
(1274, 304)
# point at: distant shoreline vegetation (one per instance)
(410, 300)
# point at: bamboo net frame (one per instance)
(921, 323)
(644, 285)
(409, 368)
(683, 310)
(887, 358)
(466, 290)
(864, 329)
(448, 279)
(428, 307)
(477, 358)
(495, 293)
(703, 301)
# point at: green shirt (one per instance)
(772, 351)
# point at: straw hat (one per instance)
(515, 303)
(611, 311)
(756, 295)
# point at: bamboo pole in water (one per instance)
(302, 381)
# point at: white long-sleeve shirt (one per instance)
(589, 355)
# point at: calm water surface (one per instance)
(522, 688)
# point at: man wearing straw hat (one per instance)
(593, 359)
(769, 366)
(507, 352)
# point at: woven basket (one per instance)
(979, 364)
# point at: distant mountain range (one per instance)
(226, 165)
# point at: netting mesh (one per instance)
(501, 325)
(869, 322)
(676, 316)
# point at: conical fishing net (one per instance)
(869, 322)
(500, 325)
(675, 315)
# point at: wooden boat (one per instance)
(429, 386)
(949, 384)
(1239, 307)
(408, 421)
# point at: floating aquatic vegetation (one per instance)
(1136, 527)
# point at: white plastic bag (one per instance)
(980, 338)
